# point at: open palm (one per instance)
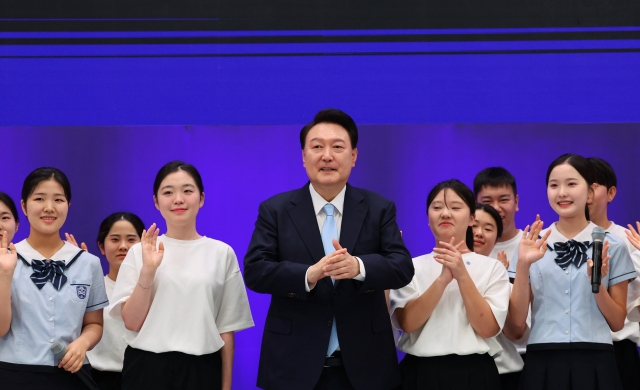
(151, 255)
(532, 247)
(8, 260)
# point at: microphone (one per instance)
(597, 235)
(58, 349)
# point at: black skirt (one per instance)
(570, 369)
(171, 370)
(22, 376)
(449, 372)
(628, 363)
(107, 380)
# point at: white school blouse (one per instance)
(448, 330)
(197, 293)
(630, 330)
(108, 354)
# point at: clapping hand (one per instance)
(72, 240)
(451, 259)
(634, 236)
(502, 257)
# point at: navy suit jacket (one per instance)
(285, 242)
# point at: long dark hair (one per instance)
(463, 192)
(580, 164)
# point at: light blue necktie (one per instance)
(329, 232)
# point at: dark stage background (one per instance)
(110, 91)
(113, 168)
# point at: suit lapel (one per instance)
(353, 214)
(303, 217)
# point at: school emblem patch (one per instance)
(81, 291)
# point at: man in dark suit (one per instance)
(326, 253)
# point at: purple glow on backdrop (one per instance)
(112, 168)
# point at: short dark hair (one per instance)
(494, 177)
(107, 224)
(175, 166)
(6, 199)
(42, 174)
(463, 192)
(603, 172)
(487, 208)
(580, 164)
(335, 116)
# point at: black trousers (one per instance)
(334, 378)
(170, 371)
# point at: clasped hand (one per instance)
(450, 257)
(337, 265)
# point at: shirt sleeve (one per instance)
(234, 313)
(98, 295)
(125, 283)
(620, 264)
(497, 293)
(399, 299)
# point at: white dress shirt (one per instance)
(338, 202)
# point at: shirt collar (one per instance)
(319, 202)
(556, 236)
(66, 253)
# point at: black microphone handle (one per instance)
(86, 378)
(596, 271)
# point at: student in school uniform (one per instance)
(50, 291)
(570, 345)
(181, 295)
(455, 304)
(117, 233)
(487, 229)
(625, 340)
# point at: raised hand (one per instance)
(531, 249)
(634, 235)
(451, 258)
(341, 266)
(605, 261)
(151, 255)
(502, 257)
(72, 240)
(8, 261)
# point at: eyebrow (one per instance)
(184, 185)
(118, 235)
(570, 178)
(44, 194)
(5, 213)
(322, 139)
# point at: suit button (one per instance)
(335, 293)
(328, 323)
(292, 295)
